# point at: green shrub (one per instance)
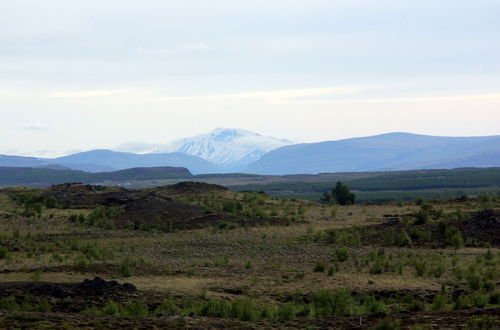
(437, 270)
(482, 322)
(404, 239)
(474, 281)
(370, 305)
(126, 267)
(453, 237)
(478, 299)
(341, 254)
(3, 252)
(135, 308)
(286, 312)
(9, 303)
(320, 267)
(387, 324)
(111, 308)
(213, 308)
(244, 309)
(440, 302)
(168, 307)
(416, 305)
(420, 267)
(421, 217)
(462, 302)
(327, 303)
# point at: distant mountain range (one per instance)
(231, 149)
(386, 152)
(107, 160)
(234, 150)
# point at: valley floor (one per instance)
(298, 265)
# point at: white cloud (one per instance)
(434, 99)
(35, 127)
(273, 96)
(79, 94)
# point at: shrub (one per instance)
(213, 308)
(482, 322)
(50, 202)
(440, 302)
(453, 237)
(437, 270)
(404, 238)
(416, 305)
(341, 254)
(135, 308)
(462, 302)
(244, 309)
(9, 303)
(320, 267)
(421, 217)
(286, 312)
(494, 298)
(387, 324)
(111, 308)
(420, 267)
(167, 307)
(3, 252)
(126, 267)
(80, 262)
(327, 303)
(370, 305)
(339, 195)
(474, 281)
(478, 299)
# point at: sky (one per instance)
(80, 75)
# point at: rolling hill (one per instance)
(386, 152)
(106, 160)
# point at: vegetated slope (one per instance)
(231, 148)
(393, 151)
(45, 176)
(384, 186)
(185, 205)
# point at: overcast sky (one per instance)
(78, 75)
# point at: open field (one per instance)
(201, 256)
(369, 186)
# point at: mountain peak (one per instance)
(232, 147)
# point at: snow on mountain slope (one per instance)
(227, 147)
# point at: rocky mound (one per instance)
(483, 226)
(191, 187)
(70, 297)
(77, 195)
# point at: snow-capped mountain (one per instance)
(231, 148)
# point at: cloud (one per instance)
(467, 97)
(78, 94)
(35, 127)
(274, 96)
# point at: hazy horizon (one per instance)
(85, 75)
(128, 146)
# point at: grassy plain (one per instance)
(297, 264)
